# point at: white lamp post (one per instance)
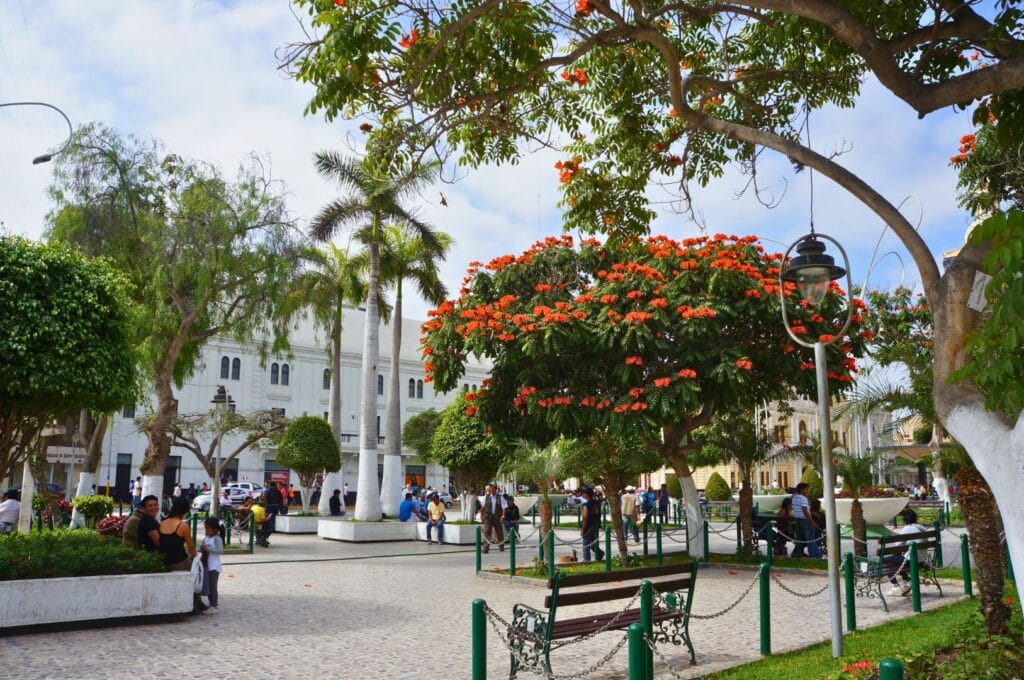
(71, 131)
(812, 270)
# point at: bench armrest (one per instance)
(530, 620)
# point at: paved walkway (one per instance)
(379, 610)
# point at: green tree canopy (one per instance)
(418, 431)
(717, 489)
(462, 444)
(66, 343)
(813, 480)
(308, 448)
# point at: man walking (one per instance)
(591, 526)
(805, 524)
(629, 515)
(137, 492)
(490, 516)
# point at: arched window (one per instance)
(225, 368)
(412, 388)
(327, 378)
(465, 387)
(380, 384)
(236, 368)
(803, 432)
(419, 389)
(285, 374)
(474, 388)
(274, 373)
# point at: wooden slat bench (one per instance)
(537, 628)
(879, 571)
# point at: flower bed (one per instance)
(81, 552)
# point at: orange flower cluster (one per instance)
(595, 402)
(471, 410)
(745, 364)
(752, 293)
(638, 317)
(542, 287)
(409, 40)
(579, 76)
(858, 666)
(583, 8)
(687, 373)
(688, 312)
(524, 394)
(659, 303)
(635, 294)
(568, 169)
(662, 382)
(966, 149)
(339, 3)
(634, 361)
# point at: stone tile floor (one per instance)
(314, 607)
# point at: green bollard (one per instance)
(938, 548)
(646, 552)
(227, 531)
(479, 545)
(890, 669)
(604, 515)
(765, 608)
(65, 519)
(657, 545)
(39, 524)
(739, 536)
(49, 521)
(965, 566)
(1009, 564)
(551, 553)
(915, 579)
(479, 640)
(579, 517)
(558, 515)
(851, 613)
(637, 653)
(533, 515)
(195, 527)
(647, 621)
(770, 541)
(607, 549)
(252, 531)
(540, 548)
(512, 552)
(707, 546)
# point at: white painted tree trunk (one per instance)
(334, 480)
(468, 507)
(306, 491)
(998, 453)
(368, 493)
(153, 485)
(393, 480)
(28, 487)
(84, 488)
(693, 518)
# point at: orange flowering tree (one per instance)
(651, 333)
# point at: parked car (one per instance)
(251, 488)
(445, 498)
(236, 494)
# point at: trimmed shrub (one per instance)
(93, 508)
(717, 489)
(812, 479)
(675, 489)
(81, 552)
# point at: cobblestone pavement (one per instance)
(380, 610)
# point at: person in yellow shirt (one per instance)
(259, 517)
(435, 518)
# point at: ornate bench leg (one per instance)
(881, 595)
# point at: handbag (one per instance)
(198, 576)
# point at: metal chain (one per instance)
(531, 666)
(657, 652)
(706, 617)
(779, 583)
(794, 540)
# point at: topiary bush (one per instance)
(717, 489)
(812, 479)
(79, 552)
(93, 508)
(675, 489)
(309, 448)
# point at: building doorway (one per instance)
(123, 477)
(172, 474)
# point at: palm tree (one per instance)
(858, 476)
(335, 279)
(376, 199)
(541, 465)
(404, 255)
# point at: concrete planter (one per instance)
(293, 524)
(455, 534)
(767, 503)
(877, 511)
(365, 532)
(33, 602)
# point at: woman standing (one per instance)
(176, 544)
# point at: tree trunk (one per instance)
(215, 487)
(94, 434)
(985, 526)
(860, 529)
(368, 495)
(158, 448)
(746, 516)
(694, 521)
(334, 480)
(391, 487)
(545, 518)
(939, 481)
(612, 492)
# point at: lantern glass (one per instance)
(813, 284)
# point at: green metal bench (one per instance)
(534, 630)
(878, 572)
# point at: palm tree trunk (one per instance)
(746, 516)
(545, 518)
(390, 490)
(985, 526)
(334, 480)
(860, 529)
(368, 496)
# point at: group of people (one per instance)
(499, 515)
(637, 501)
(424, 507)
(171, 537)
(801, 521)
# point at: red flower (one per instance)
(634, 361)
(826, 338)
(745, 364)
(867, 335)
(639, 406)
(687, 373)
(409, 40)
(339, 3)
(662, 382)
(470, 410)
(542, 288)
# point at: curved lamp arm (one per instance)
(849, 291)
(71, 130)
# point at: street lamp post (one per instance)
(43, 158)
(813, 271)
(223, 402)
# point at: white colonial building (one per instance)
(296, 383)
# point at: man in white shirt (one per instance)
(10, 508)
(911, 527)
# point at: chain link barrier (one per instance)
(657, 652)
(707, 617)
(779, 583)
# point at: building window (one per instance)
(285, 374)
(327, 378)
(380, 384)
(236, 368)
(779, 434)
(412, 388)
(419, 389)
(378, 426)
(803, 432)
(278, 412)
(225, 367)
(474, 388)
(274, 370)
(129, 411)
(465, 387)
(327, 416)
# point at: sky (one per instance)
(201, 76)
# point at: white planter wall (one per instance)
(455, 534)
(32, 602)
(293, 524)
(365, 532)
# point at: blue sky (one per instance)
(201, 77)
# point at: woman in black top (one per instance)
(175, 538)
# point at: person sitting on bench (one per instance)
(911, 527)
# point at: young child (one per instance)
(213, 548)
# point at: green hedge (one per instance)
(812, 479)
(717, 489)
(81, 552)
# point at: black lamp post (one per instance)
(43, 158)
(223, 402)
(813, 271)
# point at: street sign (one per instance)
(72, 455)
